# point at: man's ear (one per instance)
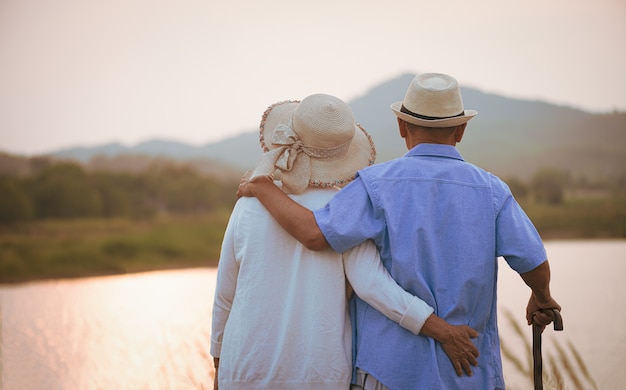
(402, 127)
(459, 132)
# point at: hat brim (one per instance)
(447, 122)
(326, 172)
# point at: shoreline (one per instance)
(211, 264)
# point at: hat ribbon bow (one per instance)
(289, 148)
(293, 158)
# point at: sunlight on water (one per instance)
(152, 330)
(144, 331)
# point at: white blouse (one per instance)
(280, 314)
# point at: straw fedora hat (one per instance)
(315, 142)
(433, 100)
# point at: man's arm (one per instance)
(538, 280)
(294, 218)
(300, 223)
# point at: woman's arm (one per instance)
(225, 288)
(372, 283)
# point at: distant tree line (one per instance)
(66, 190)
(62, 190)
(550, 186)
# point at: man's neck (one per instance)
(412, 142)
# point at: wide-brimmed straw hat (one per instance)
(315, 142)
(433, 100)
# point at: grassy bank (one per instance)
(580, 218)
(89, 247)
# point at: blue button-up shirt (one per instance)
(440, 224)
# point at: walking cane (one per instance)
(537, 360)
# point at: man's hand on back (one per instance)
(455, 341)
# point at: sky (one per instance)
(86, 72)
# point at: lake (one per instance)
(152, 330)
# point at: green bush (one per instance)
(64, 191)
(15, 204)
(549, 185)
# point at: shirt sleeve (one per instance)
(350, 218)
(517, 239)
(226, 285)
(373, 284)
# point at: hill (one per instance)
(510, 137)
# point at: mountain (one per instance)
(510, 137)
(239, 152)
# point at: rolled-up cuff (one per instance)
(416, 315)
(216, 348)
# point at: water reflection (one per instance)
(144, 331)
(152, 330)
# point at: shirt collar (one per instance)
(435, 150)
